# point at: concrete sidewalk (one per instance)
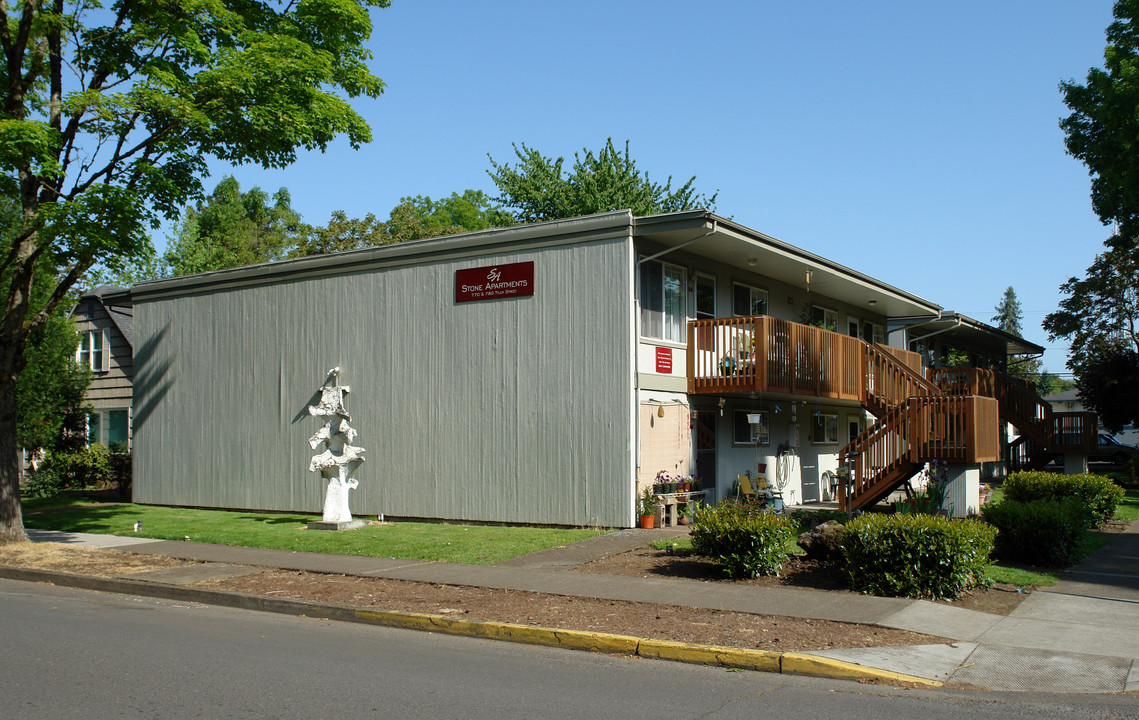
(1082, 636)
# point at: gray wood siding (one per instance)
(513, 410)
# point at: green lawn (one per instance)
(1129, 507)
(1022, 577)
(467, 544)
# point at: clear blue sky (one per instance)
(916, 142)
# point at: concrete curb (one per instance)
(762, 660)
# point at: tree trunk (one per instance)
(11, 517)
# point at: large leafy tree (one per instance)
(415, 218)
(419, 217)
(50, 402)
(1098, 312)
(1103, 127)
(539, 188)
(107, 117)
(1099, 315)
(231, 228)
(50, 392)
(1110, 384)
(340, 234)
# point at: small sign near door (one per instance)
(664, 360)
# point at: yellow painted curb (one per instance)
(818, 666)
(710, 655)
(530, 634)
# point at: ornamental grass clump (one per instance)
(1040, 532)
(1098, 492)
(743, 540)
(921, 556)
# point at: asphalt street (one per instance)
(80, 654)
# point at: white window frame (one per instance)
(820, 421)
(827, 314)
(877, 333)
(674, 322)
(754, 294)
(760, 433)
(102, 424)
(88, 356)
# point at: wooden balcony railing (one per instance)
(1074, 432)
(766, 354)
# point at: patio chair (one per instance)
(746, 488)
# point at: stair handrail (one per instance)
(882, 446)
(891, 382)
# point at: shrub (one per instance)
(121, 472)
(76, 469)
(1040, 532)
(1097, 492)
(916, 555)
(744, 541)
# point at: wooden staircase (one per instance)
(956, 417)
(952, 415)
(1042, 433)
(917, 430)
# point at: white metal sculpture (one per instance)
(340, 457)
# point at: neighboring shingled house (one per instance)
(106, 347)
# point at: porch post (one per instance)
(1075, 463)
(964, 490)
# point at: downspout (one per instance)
(637, 340)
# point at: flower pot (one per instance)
(682, 520)
(648, 522)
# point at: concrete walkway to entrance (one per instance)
(1080, 636)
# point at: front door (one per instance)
(706, 449)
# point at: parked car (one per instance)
(1112, 451)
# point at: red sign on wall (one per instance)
(664, 360)
(494, 281)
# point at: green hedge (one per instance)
(916, 555)
(71, 470)
(1097, 492)
(744, 541)
(1040, 532)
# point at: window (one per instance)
(824, 318)
(94, 429)
(662, 301)
(749, 433)
(118, 428)
(110, 427)
(747, 300)
(705, 296)
(826, 429)
(94, 350)
(874, 333)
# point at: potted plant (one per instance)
(688, 515)
(648, 509)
